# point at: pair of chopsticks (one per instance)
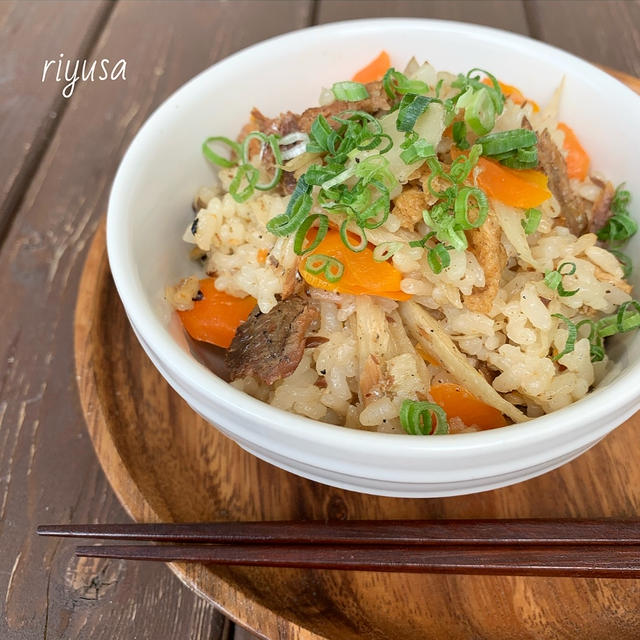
(535, 547)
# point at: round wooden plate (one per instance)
(167, 464)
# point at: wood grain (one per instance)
(604, 32)
(503, 14)
(29, 108)
(165, 463)
(47, 467)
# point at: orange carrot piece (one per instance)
(524, 188)
(216, 317)
(577, 158)
(262, 255)
(514, 93)
(457, 402)
(362, 274)
(374, 70)
(426, 356)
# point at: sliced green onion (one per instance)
(438, 258)
(386, 250)
(596, 347)
(531, 220)
(625, 319)
(350, 91)
(297, 210)
(480, 112)
(395, 82)
(344, 235)
(571, 338)
(625, 261)
(420, 149)
(411, 107)
(620, 226)
(417, 418)
(271, 141)
(553, 279)
(250, 174)
(461, 207)
(217, 159)
(502, 141)
(423, 241)
(303, 229)
(462, 166)
(494, 91)
(330, 267)
(460, 135)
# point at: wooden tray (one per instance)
(167, 464)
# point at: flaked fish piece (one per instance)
(269, 346)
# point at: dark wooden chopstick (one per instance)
(375, 532)
(595, 561)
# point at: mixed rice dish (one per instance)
(423, 253)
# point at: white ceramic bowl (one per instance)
(149, 209)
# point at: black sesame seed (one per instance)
(198, 296)
(194, 226)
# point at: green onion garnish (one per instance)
(350, 91)
(412, 106)
(479, 111)
(571, 338)
(596, 346)
(620, 226)
(271, 141)
(423, 241)
(462, 207)
(625, 319)
(438, 258)
(531, 220)
(297, 210)
(460, 135)
(217, 159)
(303, 229)
(417, 418)
(625, 261)
(418, 150)
(395, 82)
(344, 235)
(250, 175)
(494, 144)
(553, 279)
(330, 267)
(386, 250)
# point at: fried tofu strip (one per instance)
(485, 244)
(427, 331)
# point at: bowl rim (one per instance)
(596, 405)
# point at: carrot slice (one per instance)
(217, 315)
(514, 93)
(374, 70)
(262, 255)
(524, 188)
(362, 274)
(577, 158)
(457, 402)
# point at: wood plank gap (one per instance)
(314, 13)
(46, 132)
(533, 19)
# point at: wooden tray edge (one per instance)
(229, 600)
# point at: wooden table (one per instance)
(58, 159)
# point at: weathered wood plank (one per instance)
(504, 14)
(30, 33)
(603, 32)
(48, 471)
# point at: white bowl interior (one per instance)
(151, 200)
